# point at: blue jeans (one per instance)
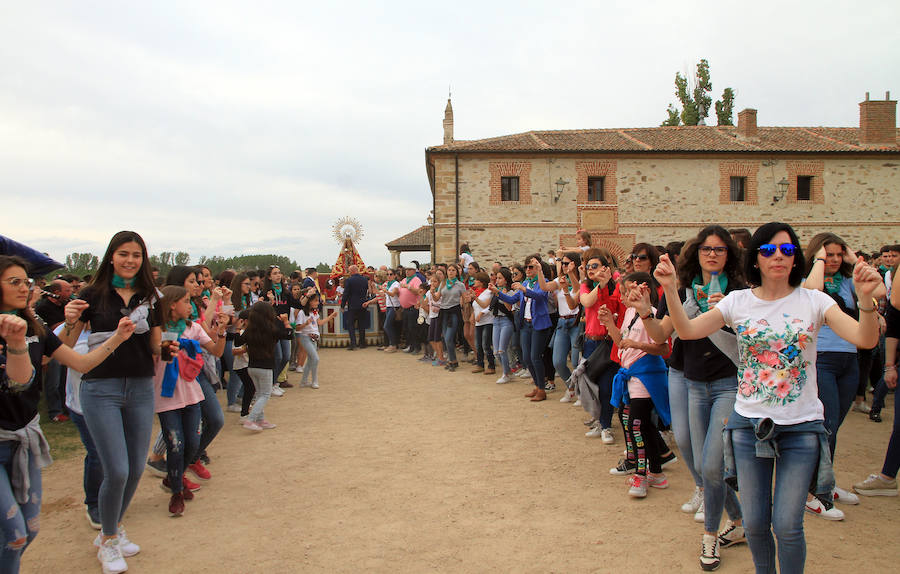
(119, 414)
(798, 455)
(211, 414)
(311, 369)
(564, 340)
(93, 468)
(605, 385)
(181, 430)
(282, 356)
(484, 345)
(22, 521)
(710, 404)
(681, 426)
(450, 325)
(533, 342)
(233, 388)
(263, 380)
(837, 375)
(390, 326)
(502, 335)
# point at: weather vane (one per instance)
(347, 228)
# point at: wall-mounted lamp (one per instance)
(560, 187)
(782, 189)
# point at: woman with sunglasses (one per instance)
(778, 420)
(829, 269)
(514, 351)
(448, 294)
(536, 323)
(702, 393)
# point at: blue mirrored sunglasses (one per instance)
(768, 249)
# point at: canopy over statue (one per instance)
(348, 232)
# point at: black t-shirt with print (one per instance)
(18, 408)
(702, 360)
(133, 357)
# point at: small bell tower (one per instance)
(448, 123)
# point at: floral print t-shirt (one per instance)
(777, 348)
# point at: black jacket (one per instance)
(356, 287)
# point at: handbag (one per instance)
(599, 362)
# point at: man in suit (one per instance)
(356, 288)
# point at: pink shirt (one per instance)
(628, 357)
(186, 393)
(409, 298)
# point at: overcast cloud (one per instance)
(222, 128)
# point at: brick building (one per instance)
(513, 195)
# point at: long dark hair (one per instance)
(819, 241)
(640, 277)
(267, 280)
(144, 286)
(171, 294)
(507, 276)
(307, 307)
(762, 236)
(689, 263)
(237, 293)
(650, 251)
(179, 274)
(35, 327)
(261, 333)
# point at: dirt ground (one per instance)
(397, 466)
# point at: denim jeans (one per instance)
(93, 468)
(484, 345)
(119, 414)
(282, 356)
(837, 375)
(533, 342)
(211, 414)
(501, 337)
(564, 340)
(681, 426)
(54, 388)
(311, 369)
(181, 430)
(263, 379)
(781, 512)
(22, 521)
(450, 326)
(605, 385)
(411, 328)
(233, 388)
(390, 326)
(709, 405)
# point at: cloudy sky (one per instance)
(221, 128)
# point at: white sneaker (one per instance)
(314, 385)
(277, 392)
(298, 368)
(862, 408)
(709, 553)
(700, 515)
(504, 379)
(110, 557)
(817, 507)
(568, 397)
(305, 384)
(235, 408)
(595, 432)
(606, 435)
(523, 374)
(577, 403)
(693, 505)
(251, 425)
(126, 546)
(844, 497)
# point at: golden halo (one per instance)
(347, 228)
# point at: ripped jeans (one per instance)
(181, 431)
(22, 521)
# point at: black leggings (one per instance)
(642, 439)
(249, 390)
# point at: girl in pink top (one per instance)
(179, 414)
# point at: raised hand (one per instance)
(866, 280)
(125, 328)
(13, 329)
(74, 308)
(665, 272)
(605, 316)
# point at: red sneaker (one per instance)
(176, 505)
(192, 486)
(199, 470)
(60, 418)
(188, 495)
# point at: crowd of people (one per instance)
(748, 350)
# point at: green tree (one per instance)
(695, 99)
(81, 263)
(323, 268)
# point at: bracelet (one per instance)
(822, 259)
(221, 335)
(890, 368)
(12, 351)
(649, 315)
(872, 310)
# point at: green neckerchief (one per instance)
(451, 283)
(206, 293)
(176, 326)
(245, 301)
(701, 291)
(833, 283)
(122, 283)
(276, 287)
(12, 312)
(471, 282)
(529, 283)
(195, 313)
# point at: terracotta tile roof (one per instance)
(673, 139)
(419, 239)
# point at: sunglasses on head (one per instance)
(768, 249)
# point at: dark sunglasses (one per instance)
(641, 257)
(566, 262)
(529, 267)
(593, 266)
(768, 249)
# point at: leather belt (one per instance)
(573, 315)
(597, 337)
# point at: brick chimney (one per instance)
(746, 127)
(878, 121)
(448, 123)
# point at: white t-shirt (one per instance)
(478, 306)
(434, 308)
(465, 259)
(777, 348)
(389, 300)
(562, 305)
(313, 327)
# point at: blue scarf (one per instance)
(652, 372)
(170, 375)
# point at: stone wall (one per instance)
(658, 199)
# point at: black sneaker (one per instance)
(203, 458)
(670, 458)
(875, 416)
(93, 516)
(452, 366)
(157, 468)
(625, 466)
